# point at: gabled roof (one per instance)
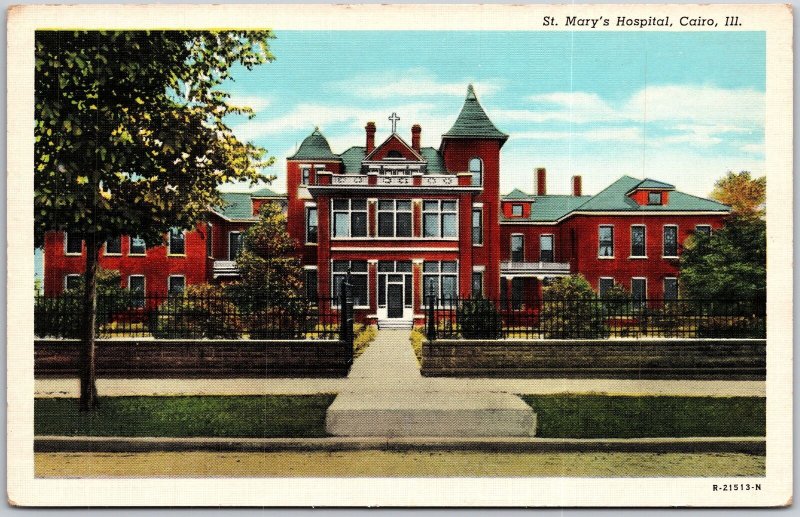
(238, 206)
(265, 192)
(352, 158)
(395, 136)
(614, 198)
(654, 184)
(314, 147)
(473, 122)
(517, 195)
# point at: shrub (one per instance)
(201, 312)
(478, 319)
(732, 327)
(289, 320)
(570, 310)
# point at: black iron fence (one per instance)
(183, 316)
(594, 318)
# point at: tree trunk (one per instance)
(88, 400)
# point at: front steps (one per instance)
(396, 323)
(414, 413)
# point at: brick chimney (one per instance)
(416, 131)
(370, 136)
(576, 186)
(541, 181)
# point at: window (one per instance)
(114, 245)
(705, 229)
(546, 248)
(517, 248)
(670, 289)
(671, 241)
(654, 198)
(176, 284)
(394, 218)
(311, 284)
(358, 279)
(177, 242)
(639, 290)
(349, 218)
(439, 219)
(311, 225)
(234, 244)
(305, 175)
(73, 244)
(394, 153)
(72, 282)
(477, 225)
(605, 285)
(136, 287)
(477, 283)
(638, 236)
(606, 237)
(440, 279)
(476, 168)
(138, 246)
(209, 240)
(517, 292)
(516, 210)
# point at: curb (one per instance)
(745, 445)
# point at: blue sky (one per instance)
(680, 107)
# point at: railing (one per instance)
(196, 317)
(594, 318)
(225, 268)
(535, 268)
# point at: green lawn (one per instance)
(242, 416)
(603, 416)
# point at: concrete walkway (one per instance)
(390, 361)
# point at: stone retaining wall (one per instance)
(601, 358)
(196, 358)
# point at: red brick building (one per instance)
(408, 220)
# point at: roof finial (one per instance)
(471, 92)
(394, 118)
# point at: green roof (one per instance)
(473, 122)
(237, 206)
(613, 198)
(352, 160)
(265, 192)
(653, 184)
(314, 147)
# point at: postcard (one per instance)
(400, 255)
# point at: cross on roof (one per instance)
(394, 118)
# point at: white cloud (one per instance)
(413, 82)
(256, 102)
(622, 134)
(753, 148)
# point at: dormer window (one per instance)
(516, 210)
(654, 198)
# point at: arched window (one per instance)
(394, 154)
(476, 168)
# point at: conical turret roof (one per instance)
(314, 147)
(473, 122)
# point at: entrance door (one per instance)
(394, 295)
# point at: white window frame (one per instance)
(130, 247)
(480, 172)
(308, 209)
(439, 275)
(552, 245)
(70, 275)
(710, 228)
(663, 241)
(105, 249)
(645, 286)
(230, 233)
(335, 301)
(600, 242)
(349, 213)
(514, 207)
(481, 272)
(476, 208)
(394, 211)
(169, 245)
(169, 283)
(660, 197)
(305, 170)
(511, 247)
(600, 283)
(644, 243)
(440, 215)
(66, 247)
(664, 288)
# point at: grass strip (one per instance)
(605, 416)
(268, 416)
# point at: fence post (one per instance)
(346, 314)
(431, 331)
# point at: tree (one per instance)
(745, 195)
(130, 137)
(268, 262)
(569, 310)
(729, 264)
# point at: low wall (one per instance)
(196, 358)
(597, 358)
